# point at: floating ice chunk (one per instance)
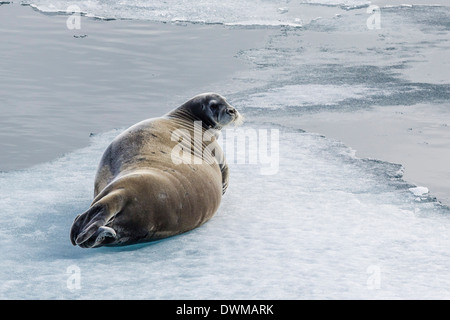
(232, 12)
(419, 191)
(404, 5)
(304, 95)
(46, 8)
(298, 21)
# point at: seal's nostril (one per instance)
(231, 111)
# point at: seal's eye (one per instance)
(213, 105)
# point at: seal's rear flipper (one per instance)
(87, 224)
(89, 228)
(104, 235)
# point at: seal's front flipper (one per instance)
(225, 177)
(89, 228)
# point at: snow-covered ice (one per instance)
(419, 191)
(309, 231)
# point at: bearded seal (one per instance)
(160, 177)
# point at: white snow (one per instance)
(309, 231)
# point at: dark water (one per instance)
(58, 85)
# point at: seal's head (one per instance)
(213, 110)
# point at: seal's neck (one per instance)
(184, 117)
(183, 114)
